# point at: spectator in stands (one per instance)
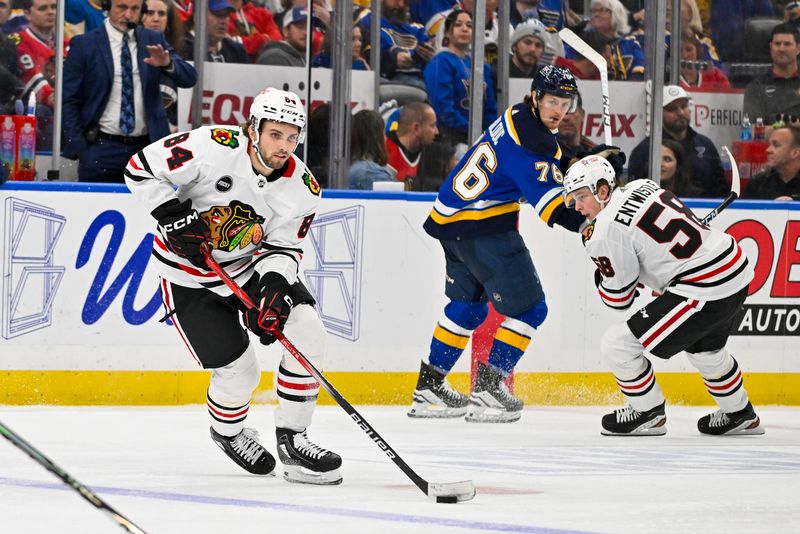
(570, 134)
(779, 90)
(675, 174)
(10, 86)
(780, 180)
(318, 140)
(368, 155)
(550, 12)
(697, 73)
(447, 80)
(582, 68)
(161, 16)
(109, 117)
(727, 24)
(252, 26)
(705, 166)
(791, 13)
(404, 45)
(5, 11)
(36, 50)
(87, 12)
(221, 48)
(610, 19)
(320, 18)
(690, 21)
(17, 21)
(527, 47)
(323, 59)
(416, 129)
(291, 52)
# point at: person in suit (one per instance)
(112, 105)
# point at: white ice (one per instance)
(550, 472)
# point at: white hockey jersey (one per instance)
(256, 222)
(646, 235)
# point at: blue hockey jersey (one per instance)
(516, 157)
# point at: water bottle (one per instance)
(759, 130)
(746, 133)
(8, 145)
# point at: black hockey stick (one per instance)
(448, 492)
(580, 46)
(735, 189)
(85, 492)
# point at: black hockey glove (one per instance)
(274, 305)
(614, 154)
(186, 230)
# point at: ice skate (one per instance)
(434, 397)
(305, 462)
(491, 401)
(719, 423)
(628, 422)
(245, 450)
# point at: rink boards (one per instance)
(81, 309)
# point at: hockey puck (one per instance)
(447, 499)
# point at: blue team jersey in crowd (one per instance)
(627, 58)
(516, 157)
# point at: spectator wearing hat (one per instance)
(447, 81)
(780, 180)
(705, 166)
(778, 91)
(791, 14)
(252, 27)
(527, 48)
(291, 52)
(221, 48)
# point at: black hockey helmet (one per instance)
(555, 81)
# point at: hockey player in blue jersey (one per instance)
(475, 218)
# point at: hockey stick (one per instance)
(448, 492)
(85, 492)
(580, 46)
(735, 189)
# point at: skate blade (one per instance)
(656, 427)
(434, 411)
(300, 475)
(748, 428)
(479, 414)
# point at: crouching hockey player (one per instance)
(642, 234)
(246, 195)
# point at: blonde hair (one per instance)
(619, 15)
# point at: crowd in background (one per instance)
(425, 44)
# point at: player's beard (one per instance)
(274, 162)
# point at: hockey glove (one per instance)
(186, 230)
(614, 154)
(275, 303)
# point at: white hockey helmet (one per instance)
(588, 172)
(278, 106)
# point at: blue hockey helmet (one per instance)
(555, 81)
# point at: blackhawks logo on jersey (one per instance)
(311, 183)
(587, 233)
(236, 225)
(225, 137)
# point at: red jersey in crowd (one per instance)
(253, 27)
(36, 66)
(403, 165)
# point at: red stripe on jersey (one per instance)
(165, 292)
(718, 269)
(612, 299)
(133, 164)
(680, 313)
(626, 387)
(291, 385)
(728, 384)
(226, 415)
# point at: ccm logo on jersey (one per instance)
(181, 223)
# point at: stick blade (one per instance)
(736, 184)
(451, 492)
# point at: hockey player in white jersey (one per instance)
(642, 235)
(244, 193)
